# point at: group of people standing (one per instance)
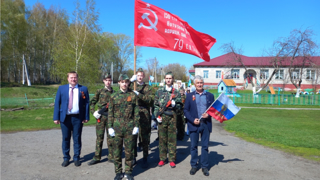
(126, 117)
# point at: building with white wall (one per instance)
(259, 70)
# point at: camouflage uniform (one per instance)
(123, 117)
(167, 129)
(144, 103)
(101, 98)
(180, 120)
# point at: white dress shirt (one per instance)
(75, 99)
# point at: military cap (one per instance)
(107, 75)
(169, 73)
(123, 77)
(140, 70)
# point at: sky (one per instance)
(252, 25)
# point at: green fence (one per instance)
(276, 99)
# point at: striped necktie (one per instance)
(70, 99)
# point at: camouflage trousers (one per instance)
(180, 126)
(167, 137)
(100, 130)
(144, 133)
(126, 138)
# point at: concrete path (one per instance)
(37, 156)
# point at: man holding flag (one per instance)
(199, 122)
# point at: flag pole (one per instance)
(134, 68)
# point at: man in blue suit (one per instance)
(71, 110)
(199, 122)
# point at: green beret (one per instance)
(107, 75)
(169, 73)
(140, 70)
(123, 77)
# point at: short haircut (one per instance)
(72, 72)
(169, 75)
(139, 72)
(197, 77)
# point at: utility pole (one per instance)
(26, 70)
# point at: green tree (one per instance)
(77, 46)
(125, 47)
(13, 38)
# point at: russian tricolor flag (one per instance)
(223, 108)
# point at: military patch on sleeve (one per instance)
(129, 98)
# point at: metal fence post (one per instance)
(279, 96)
(26, 98)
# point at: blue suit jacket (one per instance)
(62, 101)
(191, 112)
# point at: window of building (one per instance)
(218, 74)
(311, 74)
(235, 73)
(279, 74)
(264, 74)
(205, 73)
(295, 74)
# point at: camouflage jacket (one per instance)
(123, 110)
(183, 99)
(162, 96)
(101, 98)
(145, 94)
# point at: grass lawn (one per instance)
(29, 120)
(293, 131)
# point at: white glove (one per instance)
(173, 103)
(111, 132)
(133, 78)
(137, 93)
(96, 115)
(135, 131)
(159, 120)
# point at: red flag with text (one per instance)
(155, 27)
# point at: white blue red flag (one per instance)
(151, 78)
(223, 108)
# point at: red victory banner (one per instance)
(155, 27)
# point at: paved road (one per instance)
(37, 155)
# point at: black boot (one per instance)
(128, 176)
(92, 162)
(118, 176)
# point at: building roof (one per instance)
(229, 82)
(192, 71)
(226, 60)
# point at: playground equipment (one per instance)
(271, 89)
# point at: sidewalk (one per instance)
(38, 155)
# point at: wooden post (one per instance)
(134, 69)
